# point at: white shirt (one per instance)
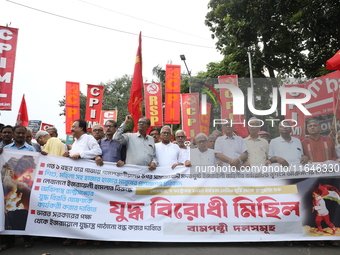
(167, 154)
(292, 152)
(86, 146)
(232, 147)
(184, 154)
(199, 158)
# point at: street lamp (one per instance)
(183, 58)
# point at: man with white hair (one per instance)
(52, 145)
(98, 131)
(202, 155)
(181, 137)
(167, 153)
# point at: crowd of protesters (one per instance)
(110, 143)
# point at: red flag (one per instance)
(336, 105)
(334, 62)
(136, 98)
(22, 118)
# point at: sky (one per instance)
(99, 46)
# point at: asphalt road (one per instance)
(54, 247)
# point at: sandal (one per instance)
(6, 246)
(96, 243)
(28, 244)
(334, 243)
(134, 245)
(289, 244)
(320, 244)
(81, 242)
(67, 242)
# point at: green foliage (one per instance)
(286, 37)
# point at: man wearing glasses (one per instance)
(167, 153)
(181, 137)
(155, 134)
(97, 132)
(112, 151)
(140, 147)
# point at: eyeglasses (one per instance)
(143, 122)
(109, 126)
(154, 134)
(201, 141)
(180, 136)
(97, 130)
(166, 133)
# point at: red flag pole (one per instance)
(22, 118)
(136, 97)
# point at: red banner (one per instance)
(294, 113)
(191, 122)
(205, 121)
(72, 104)
(172, 94)
(107, 115)
(8, 47)
(321, 89)
(153, 103)
(94, 105)
(227, 105)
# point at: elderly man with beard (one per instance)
(181, 137)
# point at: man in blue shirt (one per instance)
(19, 140)
(112, 151)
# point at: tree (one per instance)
(285, 37)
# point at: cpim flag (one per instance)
(22, 118)
(334, 62)
(136, 98)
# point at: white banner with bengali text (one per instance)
(60, 197)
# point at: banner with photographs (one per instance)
(61, 197)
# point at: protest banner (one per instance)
(61, 197)
(8, 48)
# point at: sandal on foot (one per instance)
(28, 244)
(81, 242)
(96, 243)
(320, 244)
(6, 246)
(67, 242)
